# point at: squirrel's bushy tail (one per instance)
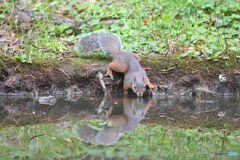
(108, 42)
(106, 136)
(87, 133)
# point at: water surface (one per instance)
(117, 127)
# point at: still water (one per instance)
(119, 128)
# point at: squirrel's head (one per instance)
(139, 86)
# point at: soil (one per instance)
(71, 77)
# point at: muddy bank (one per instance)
(73, 79)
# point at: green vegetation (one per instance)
(197, 29)
(179, 31)
(59, 141)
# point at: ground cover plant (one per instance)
(202, 30)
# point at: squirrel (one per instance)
(125, 119)
(135, 77)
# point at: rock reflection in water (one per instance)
(131, 113)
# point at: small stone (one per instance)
(199, 129)
(222, 78)
(221, 114)
(49, 100)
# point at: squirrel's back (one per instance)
(108, 42)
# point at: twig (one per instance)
(63, 72)
(236, 71)
(170, 118)
(209, 73)
(36, 137)
(167, 70)
(237, 119)
(118, 81)
(194, 71)
(37, 46)
(99, 75)
(63, 116)
(16, 67)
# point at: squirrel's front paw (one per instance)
(151, 86)
(110, 75)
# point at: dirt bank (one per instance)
(73, 77)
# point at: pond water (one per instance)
(119, 128)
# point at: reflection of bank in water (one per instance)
(132, 112)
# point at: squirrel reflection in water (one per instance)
(133, 111)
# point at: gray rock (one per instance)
(49, 100)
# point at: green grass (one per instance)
(199, 29)
(59, 141)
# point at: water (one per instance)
(132, 128)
